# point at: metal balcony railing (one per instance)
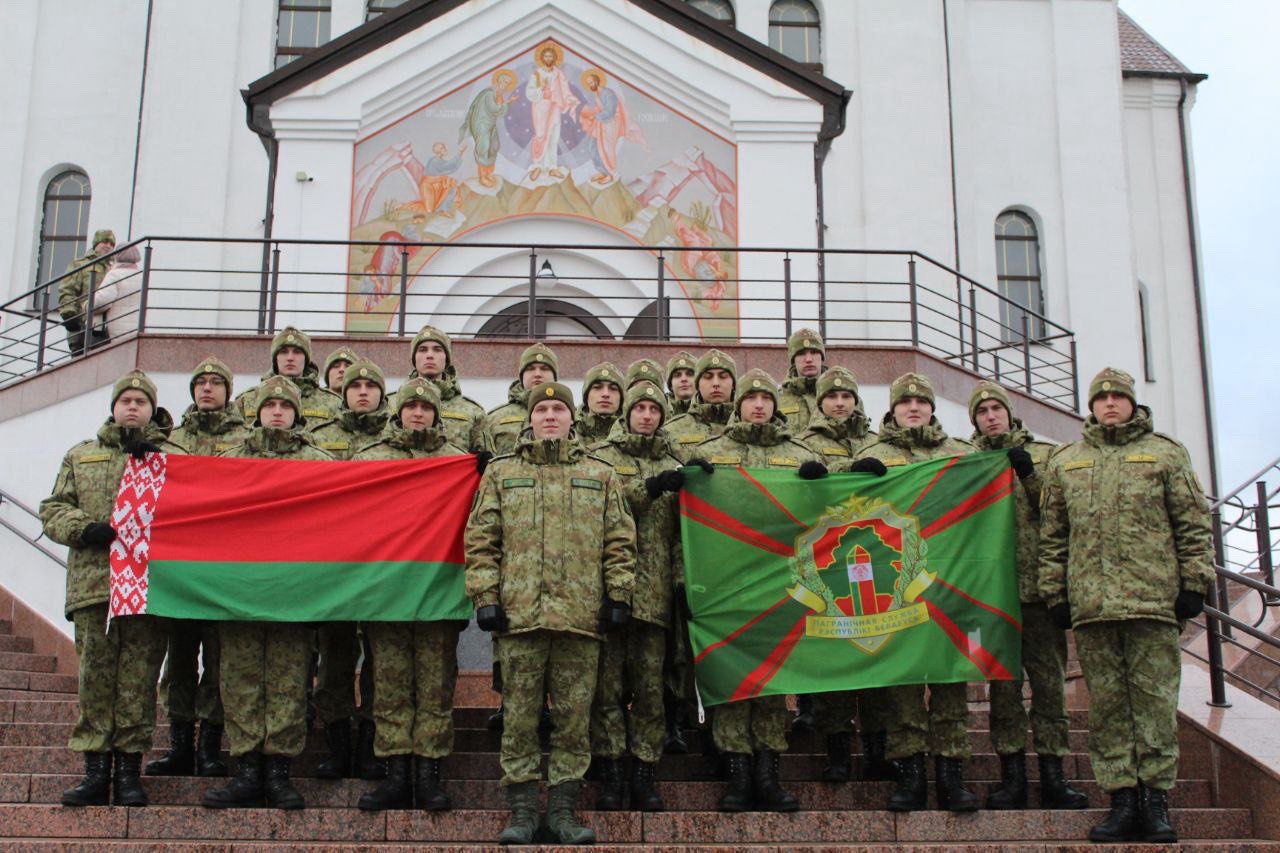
(21, 520)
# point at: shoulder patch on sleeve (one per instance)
(511, 419)
(788, 461)
(1141, 457)
(315, 413)
(518, 483)
(788, 410)
(834, 451)
(94, 457)
(689, 439)
(725, 460)
(629, 470)
(586, 483)
(455, 416)
(894, 463)
(1078, 464)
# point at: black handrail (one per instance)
(34, 542)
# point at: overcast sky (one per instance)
(1235, 137)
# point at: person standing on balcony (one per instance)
(462, 418)
(335, 367)
(119, 297)
(680, 382)
(120, 659)
(73, 291)
(797, 400)
(715, 377)
(601, 401)
(291, 358)
(538, 365)
(1126, 556)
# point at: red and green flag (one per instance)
(290, 540)
(851, 581)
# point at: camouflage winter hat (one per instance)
(417, 388)
(1112, 380)
(280, 388)
(984, 391)
(714, 359)
(431, 333)
(802, 340)
(104, 235)
(550, 391)
(603, 372)
(680, 361)
(364, 369)
(211, 364)
(645, 390)
(911, 385)
(342, 353)
(134, 380)
(539, 354)
(837, 379)
(289, 337)
(643, 369)
(754, 380)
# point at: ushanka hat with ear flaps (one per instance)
(550, 391)
(540, 354)
(431, 333)
(911, 385)
(714, 359)
(604, 372)
(104, 235)
(752, 381)
(837, 379)
(211, 364)
(1112, 380)
(646, 391)
(643, 369)
(342, 353)
(802, 340)
(364, 369)
(290, 337)
(134, 380)
(983, 392)
(417, 388)
(680, 361)
(279, 388)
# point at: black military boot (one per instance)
(428, 788)
(839, 766)
(244, 789)
(522, 799)
(644, 787)
(180, 760)
(912, 793)
(737, 789)
(1121, 823)
(95, 788)
(769, 793)
(368, 765)
(126, 782)
(803, 723)
(875, 767)
(562, 820)
(337, 765)
(1154, 826)
(279, 790)
(494, 723)
(209, 750)
(1012, 793)
(953, 796)
(1055, 791)
(394, 793)
(609, 772)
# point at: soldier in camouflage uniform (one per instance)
(1044, 645)
(1125, 557)
(681, 385)
(631, 661)
(462, 418)
(73, 291)
(538, 365)
(550, 557)
(417, 661)
(335, 367)
(601, 402)
(264, 664)
(119, 662)
(909, 433)
(715, 378)
(291, 358)
(756, 437)
(209, 426)
(797, 400)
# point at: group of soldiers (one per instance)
(578, 502)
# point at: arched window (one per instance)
(796, 31)
(553, 318)
(377, 7)
(301, 27)
(64, 225)
(721, 10)
(1018, 274)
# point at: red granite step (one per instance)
(1216, 846)
(28, 662)
(22, 694)
(46, 681)
(10, 643)
(6, 626)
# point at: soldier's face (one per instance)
(417, 415)
(337, 372)
(912, 412)
(290, 360)
(1111, 408)
(132, 410)
(551, 419)
(991, 417)
(210, 392)
(757, 407)
(838, 405)
(277, 414)
(715, 385)
(682, 383)
(363, 395)
(430, 359)
(645, 418)
(604, 398)
(537, 374)
(808, 362)
(103, 247)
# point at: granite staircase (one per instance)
(38, 708)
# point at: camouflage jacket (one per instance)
(902, 446)
(505, 423)
(837, 441)
(1124, 524)
(73, 291)
(318, 404)
(798, 401)
(1026, 504)
(396, 442)
(345, 434)
(85, 492)
(755, 446)
(658, 556)
(463, 419)
(207, 433)
(676, 405)
(550, 537)
(592, 427)
(263, 443)
(702, 421)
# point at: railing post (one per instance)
(786, 290)
(404, 289)
(1075, 379)
(960, 318)
(42, 335)
(1262, 517)
(973, 325)
(274, 289)
(822, 293)
(911, 289)
(1220, 558)
(1026, 350)
(146, 289)
(662, 332)
(88, 313)
(533, 291)
(1213, 628)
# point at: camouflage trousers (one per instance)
(939, 727)
(414, 683)
(630, 670)
(264, 686)
(566, 665)
(750, 725)
(1044, 660)
(335, 694)
(188, 693)
(834, 712)
(118, 669)
(1133, 671)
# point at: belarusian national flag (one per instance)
(851, 581)
(281, 540)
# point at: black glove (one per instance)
(614, 616)
(492, 617)
(1061, 615)
(869, 465)
(97, 533)
(1020, 461)
(482, 460)
(703, 464)
(1188, 605)
(666, 481)
(140, 448)
(811, 470)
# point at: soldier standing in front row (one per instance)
(1125, 556)
(119, 662)
(550, 550)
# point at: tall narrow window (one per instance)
(1144, 315)
(64, 226)
(1018, 275)
(721, 10)
(377, 7)
(302, 26)
(796, 31)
